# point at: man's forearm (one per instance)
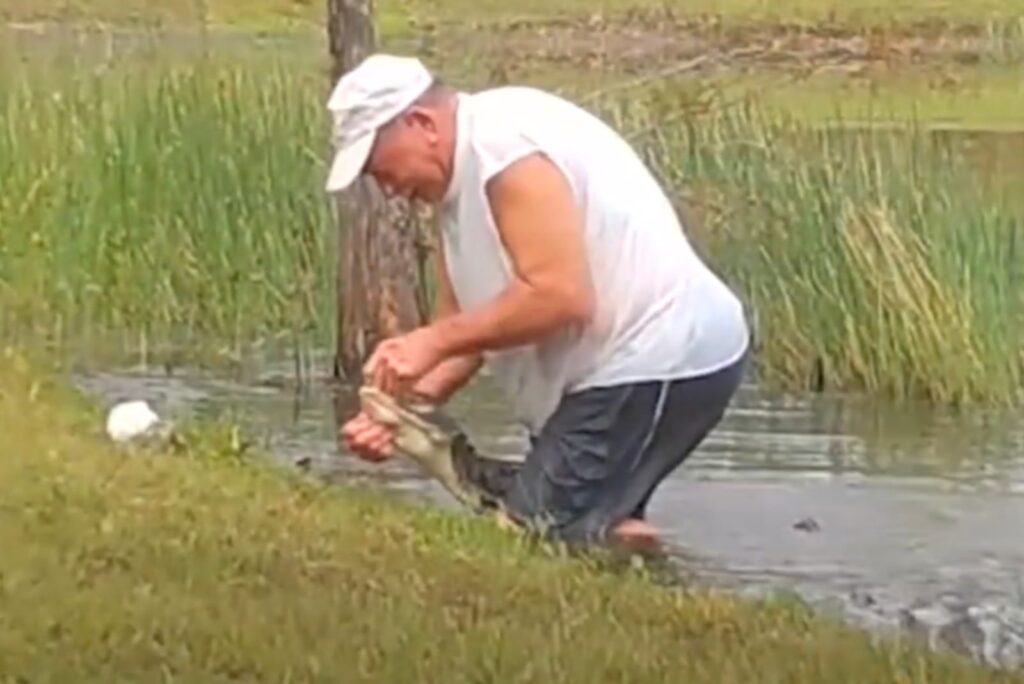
(451, 375)
(521, 315)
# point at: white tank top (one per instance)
(661, 313)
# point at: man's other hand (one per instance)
(368, 439)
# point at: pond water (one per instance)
(896, 518)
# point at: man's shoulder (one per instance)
(500, 122)
(516, 115)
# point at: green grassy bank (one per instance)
(206, 566)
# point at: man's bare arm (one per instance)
(453, 373)
(542, 230)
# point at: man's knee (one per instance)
(575, 471)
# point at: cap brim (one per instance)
(349, 161)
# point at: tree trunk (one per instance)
(379, 283)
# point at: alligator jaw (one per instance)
(422, 441)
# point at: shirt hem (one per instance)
(687, 374)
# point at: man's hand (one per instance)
(368, 439)
(397, 363)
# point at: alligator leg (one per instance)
(493, 478)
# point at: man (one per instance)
(565, 268)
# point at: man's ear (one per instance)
(423, 118)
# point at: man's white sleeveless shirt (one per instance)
(661, 313)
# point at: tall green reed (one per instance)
(165, 204)
(182, 205)
(869, 260)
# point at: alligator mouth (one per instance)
(441, 450)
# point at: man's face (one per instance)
(407, 160)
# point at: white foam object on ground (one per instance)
(130, 419)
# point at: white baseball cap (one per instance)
(363, 100)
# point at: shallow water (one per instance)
(897, 518)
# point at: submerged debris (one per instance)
(807, 525)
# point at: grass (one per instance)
(976, 99)
(164, 205)
(210, 565)
(289, 12)
(871, 261)
(170, 207)
(262, 14)
(853, 11)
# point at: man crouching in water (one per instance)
(565, 267)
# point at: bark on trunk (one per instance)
(379, 283)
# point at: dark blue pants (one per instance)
(604, 450)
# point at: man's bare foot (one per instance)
(505, 522)
(636, 535)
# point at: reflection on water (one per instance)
(898, 518)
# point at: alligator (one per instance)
(434, 441)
